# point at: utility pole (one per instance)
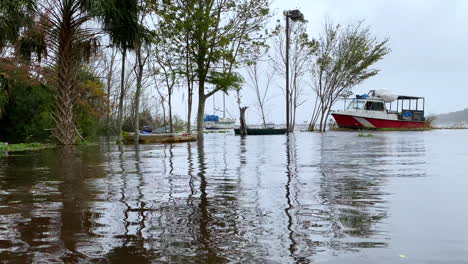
(287, 72)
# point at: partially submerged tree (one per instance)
(57, 27)
(344, 59)
(72, 45)
(242, 109)
(260, 79)
(219, 32)
(109, 61)
(142, 52)
(300, 55)
(120, 20)
(166, 58)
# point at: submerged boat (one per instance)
(262, 131)
(214, 122)
(376, 110)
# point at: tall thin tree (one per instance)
(120, 19)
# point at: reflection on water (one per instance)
(298, 199)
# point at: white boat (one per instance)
(214, 122)
(374, 111)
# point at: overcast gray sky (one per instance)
(429, 55)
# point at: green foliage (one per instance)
(91, 106)
(346, 55)
(29, 104)
(362, 134)
(120, 21)
(344, 59)
(220, 34)
(429, 122)
(15, 17)
(226, 81)
(23, 147)
(33, 41)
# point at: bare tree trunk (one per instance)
(164, 114)
(110, 75)
(312, 123)
(169, 102)
(200, 116)
(263, 117)
(243, 124)
(189, 104)
(188, 73)
(122, 96)
(326, 120)
(322, 117)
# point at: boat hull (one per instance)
(362, 122)
(219, 124)
(163, 138)
(262, 131)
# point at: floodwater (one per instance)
(396, 197)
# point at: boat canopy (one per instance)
(213, 118)
(405, 97)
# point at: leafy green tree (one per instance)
(344, 59)
(27, 106)
(218, 33)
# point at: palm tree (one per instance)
(16, 16)
(120, 19)
(57, 27)
(72, 45)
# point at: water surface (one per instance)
(396, 197)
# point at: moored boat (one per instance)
(375, 111)
(262, 131)
(163, 138)
(214, 122)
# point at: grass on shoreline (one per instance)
(23, 147)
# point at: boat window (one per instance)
(356, 105)
(374, 106)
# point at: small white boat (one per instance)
(214, 122)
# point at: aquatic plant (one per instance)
(430, 121)
(5, 147)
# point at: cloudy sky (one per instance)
(429, 57)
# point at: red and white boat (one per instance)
(374, 111)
